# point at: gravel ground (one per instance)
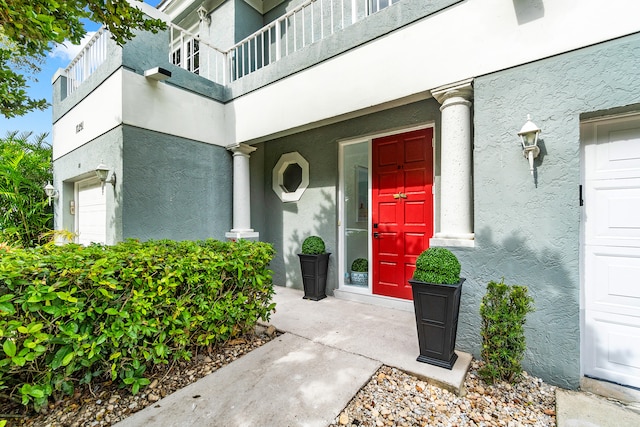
(105, 404)
(394, 398)
(391, 398)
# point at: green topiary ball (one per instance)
(360, 265)
(313, 245)
(437, 265)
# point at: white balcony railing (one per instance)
(310, 22)
(190, 52)
(87, 61)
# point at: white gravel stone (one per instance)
(394, 398)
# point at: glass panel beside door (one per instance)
(355, 213)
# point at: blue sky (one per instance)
(40, 121)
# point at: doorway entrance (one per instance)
(402, 208)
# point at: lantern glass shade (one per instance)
(529, 133)
(102, 172)
(49, 190)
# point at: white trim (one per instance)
(245, 235)
(278, 174)
(586, 135)
(452, 242)
(610, 116)
(397, 131)
(263, 6)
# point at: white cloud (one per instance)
(69, 51)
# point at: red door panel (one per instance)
(402, 214)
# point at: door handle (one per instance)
(403, 196)
(376, 235)
(396, 196)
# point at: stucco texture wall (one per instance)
(286, 225)
(174, 188)
(528, 228)
(80, 164)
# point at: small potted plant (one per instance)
(437, 287)
(360, 272)
(314, 263)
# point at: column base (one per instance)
(464, 240)
(242, 234)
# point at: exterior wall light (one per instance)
(157, 73)
(529, 139)
(203, 15)
(102, 172)
(50, 191)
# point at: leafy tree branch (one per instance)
(29, 30)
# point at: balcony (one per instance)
(87, 61)
(309, 23)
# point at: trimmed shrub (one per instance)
(503, 309)
(313, 245)
(71, 314)
(360, 265)
(437, 265)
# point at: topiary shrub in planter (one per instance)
(437, 287)
(313, 245)
(360, 272)
(314, 263)
(503, 309)
(437, 265)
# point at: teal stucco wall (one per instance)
(174, 188)
(528, 230)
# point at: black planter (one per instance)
(314, 275)
(437, 307)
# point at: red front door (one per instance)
(402, 208)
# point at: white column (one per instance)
(241, 194)
(456, 190)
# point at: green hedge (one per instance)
(70, 313)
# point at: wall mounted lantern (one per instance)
(529, 138)
(102, 172)
(203, 14)
(50, 191)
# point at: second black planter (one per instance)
(314, 275)
(437, 307)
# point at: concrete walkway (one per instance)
(386, 335)
(329, 350)
(579, 409)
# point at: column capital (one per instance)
(241, 149)
(462, 89)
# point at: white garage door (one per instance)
(611, 251)
(91, 212)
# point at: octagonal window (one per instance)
(290, 177)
